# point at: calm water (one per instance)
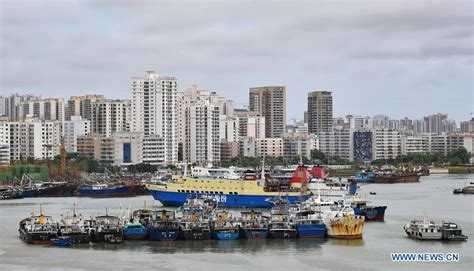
(432, 197)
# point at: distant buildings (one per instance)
(45, 109)
(319, 112)
(82, 106)
(270, 102)
(433, 123)
(467, 126)
(268, 147)
(295, 145)
(155, 110)
(110, 116)
(73, 128)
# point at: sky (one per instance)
(399, 58)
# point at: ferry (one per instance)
(38, 229)
(246, 192)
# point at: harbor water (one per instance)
(432, 197)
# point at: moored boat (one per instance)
(253, 225)
(38, 229)
(224, 226)
(344, 224)
(397, 178)
(74, 228)
(62, 241)
(248, 191)
(164, 227)
(362, 208)
(452, 232)
(465, 190)
(104, 190)
(106, 228)
(280, 226)
(309, 223)
(195, 222)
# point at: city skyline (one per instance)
(324, 48)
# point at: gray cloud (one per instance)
(393, 57)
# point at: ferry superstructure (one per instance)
(247, 192)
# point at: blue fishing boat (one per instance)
(164, 231)
(104, 190)
(361, 208)
(62, 241)
(224, 226)
(134, 231)
(309, 224)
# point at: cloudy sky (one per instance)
(400, 58)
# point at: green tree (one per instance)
(318, 157)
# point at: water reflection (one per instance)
(344, 242)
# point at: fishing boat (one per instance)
(249, 191)
(134, 230)
(164, 227)
(342, 223)
(452, 232)
(364, 177)
(280, 226)
(224, 226)
(196, 215)
(10, 192)
(253, 225)
(309, 223)
(362, 208)
(423, 230)
(104, 190)
(38, 229)
(106, 228)
(56, 189)
(74, 227)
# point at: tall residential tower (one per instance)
(270, 102)
(319, 112)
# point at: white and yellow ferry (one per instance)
(246, 192)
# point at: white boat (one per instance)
(230, 173)
(331, 189)
(423, 230)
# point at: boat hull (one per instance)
(168, 198)
(397, 179)
(226, 235)
(40, 238)
(311, 231)
(371, 213)
(135, 233)
(167, 234)
(254, 234)
(121, 191)
(346, 227)
(282, 234)
(109, 237)
(196, 235)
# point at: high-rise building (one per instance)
(336, 143)
(296, 145)
(110, 116)
(82, 106)
(269, 147)
(414, 144)
(319, 112)
(153, 150)
(229, 129)
(433, 123)
(202, 144)
(467, 126)
(270, 102)
(45, 109)
(387, 143)
(73, 128)
(4, 106)
(13, 102)
(251, 124)
(4, 143)
(155, 110)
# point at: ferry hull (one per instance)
(196, 235)
(37, 238)
(225, 235)
(311, 231)
(163, 234)
(347, 227)
(168, 198)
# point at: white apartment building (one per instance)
(34, 138)
(45, 109)
(153, 150)
(414, 144)
(228, 129)
(295, 145)
(202, 144)
(251, 124)
(76, 126)
(155, 110)
(387, 143)
(269, 147)
(4, 143)
(122, 149)
(81, 106)
(247, 146)
(336, 143)
(110, 116)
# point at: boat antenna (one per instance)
(74, 209)
(106, 211)
(41, 209)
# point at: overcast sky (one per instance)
(400, 58)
